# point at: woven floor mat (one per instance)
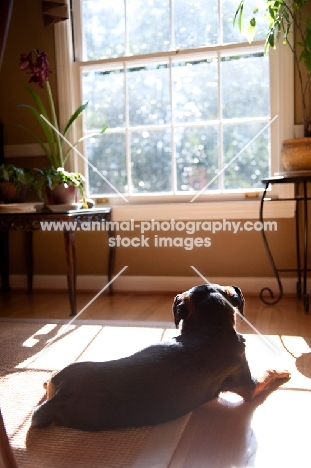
(27, 360)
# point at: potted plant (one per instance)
(14, 183)
(288, 19)
(62, 187)
(38, 67)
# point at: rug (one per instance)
(223, 433)
(30, 351)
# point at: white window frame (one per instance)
(233, 205)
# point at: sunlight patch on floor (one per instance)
(34, 339)
(280, 426)
(296, 345)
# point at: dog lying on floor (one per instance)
(165, 380)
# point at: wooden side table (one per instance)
(71, 221)
(300, 180)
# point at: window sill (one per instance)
(207, 210)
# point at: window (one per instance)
(182, 93)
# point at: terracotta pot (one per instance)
(9, 193)
(296, 154)
(62, 194)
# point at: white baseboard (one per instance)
(152, 283)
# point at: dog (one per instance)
(165, 380)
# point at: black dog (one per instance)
(165, 380)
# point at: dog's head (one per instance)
(208, 306)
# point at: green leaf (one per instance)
(48, 131)
(251, 30)
(307, 44)
(270, 38)
(82, 139)
(238, 17)
(93, 134)
(45, 127)
(308, 63)
(38, 101)
(271, 12)
(74, 116)
(34, 136)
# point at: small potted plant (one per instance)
(55, 176)
(288, 19)
(14, 183)
(62, 187)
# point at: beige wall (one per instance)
(242, 254)
(26, 33)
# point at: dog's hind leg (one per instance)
(43, 415)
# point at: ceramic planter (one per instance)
(10, 193)
(62, 194)
(296, 154)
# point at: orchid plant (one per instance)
(37, 65)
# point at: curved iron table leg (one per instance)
(273, 300)
(305, 247)
(298, 254)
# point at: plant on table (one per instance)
(286, 18)
(37, 65)
(21, 180)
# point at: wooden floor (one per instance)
(286, 317)
(273, 431)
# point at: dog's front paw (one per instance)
(279, 375)
(271, 376)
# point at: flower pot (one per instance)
(296, 154)
(10, 193)
(62, 194)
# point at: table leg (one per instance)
(29, 259)
(4, 261)
(71, 269)
(275, 271)
(111, 259)
(305, 247)
(298, 254)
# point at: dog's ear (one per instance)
(237, 299)
(180, 310)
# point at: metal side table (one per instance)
(300, 197)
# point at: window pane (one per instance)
(195, 90)
(107, 153)
(104, 92)
(245, 86)
(151, 161)
(252, 165)
(149, 95)
(149, 26)
(232, 33)
(194, 106)
(196, 158)
(195, 23)
(103, 29)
